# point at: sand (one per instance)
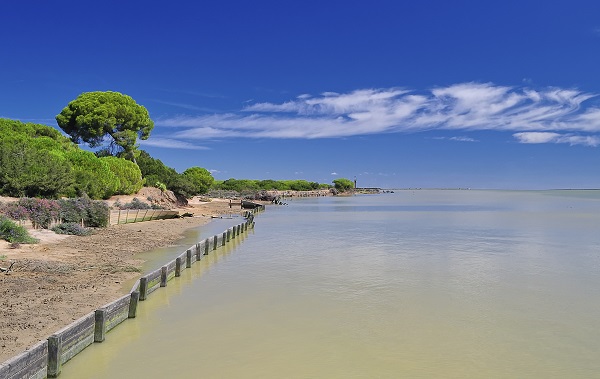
(66, 277)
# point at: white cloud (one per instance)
(536, 137)
(463, 106)
(549, 137)
(334, 173)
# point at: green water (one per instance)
(417, 284)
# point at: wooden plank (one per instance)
(31, 364)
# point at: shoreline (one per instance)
(63, 278)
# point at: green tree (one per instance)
(92, 175)
(200, 177)
(182, 186)
(153, 170)
(128, 173)
(343, 184)
(26, 170)
(94, 115)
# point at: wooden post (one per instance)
(199, 250)
(135, 296)
(215, 243)
(163, 276)
(224, 238)
(206, 243)
(188, 258)
(228, 234)
(100, 325)
(143, 288)
(54, 353)
(178, 266)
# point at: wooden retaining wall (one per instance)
(45, 359)
(137, 215)
(32, 363)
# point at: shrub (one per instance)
(27, 170)
(134, 204)
(92, 175)
(200, 177)
(15, 212)
(72, 228)
(97, 215)
(41, 212)
(129, 174)
(13, 233)
(74, 210)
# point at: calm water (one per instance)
(416, 284)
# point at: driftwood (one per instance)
(7, 270)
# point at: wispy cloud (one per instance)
(190, 107)
(460, 107)
(549, 137)
(171, 144)
(458, 139)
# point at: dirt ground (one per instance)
(62, 278)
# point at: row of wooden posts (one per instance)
(45, 359)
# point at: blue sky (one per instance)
(477, 94)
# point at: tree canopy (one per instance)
(200, 177)
(94, 115)
(343, 184)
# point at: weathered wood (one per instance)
(224, 238)
(188, 258)
(68, 342)
(215, 242)
(100, 325)
(178, 267)
(115, 312)
(149, 283)
(206, 245)
(143, 288)
(163, 276)
(133, 303)
(31, 364)
(199, 250)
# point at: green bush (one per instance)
(153, 170)
(135, 204)
(201, 178)
(14, 233)
(128, 173)
(92, 175)
(72, 228)
(28, 170)
(97, 215)
(343, 184)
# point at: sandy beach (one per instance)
(63, 278)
